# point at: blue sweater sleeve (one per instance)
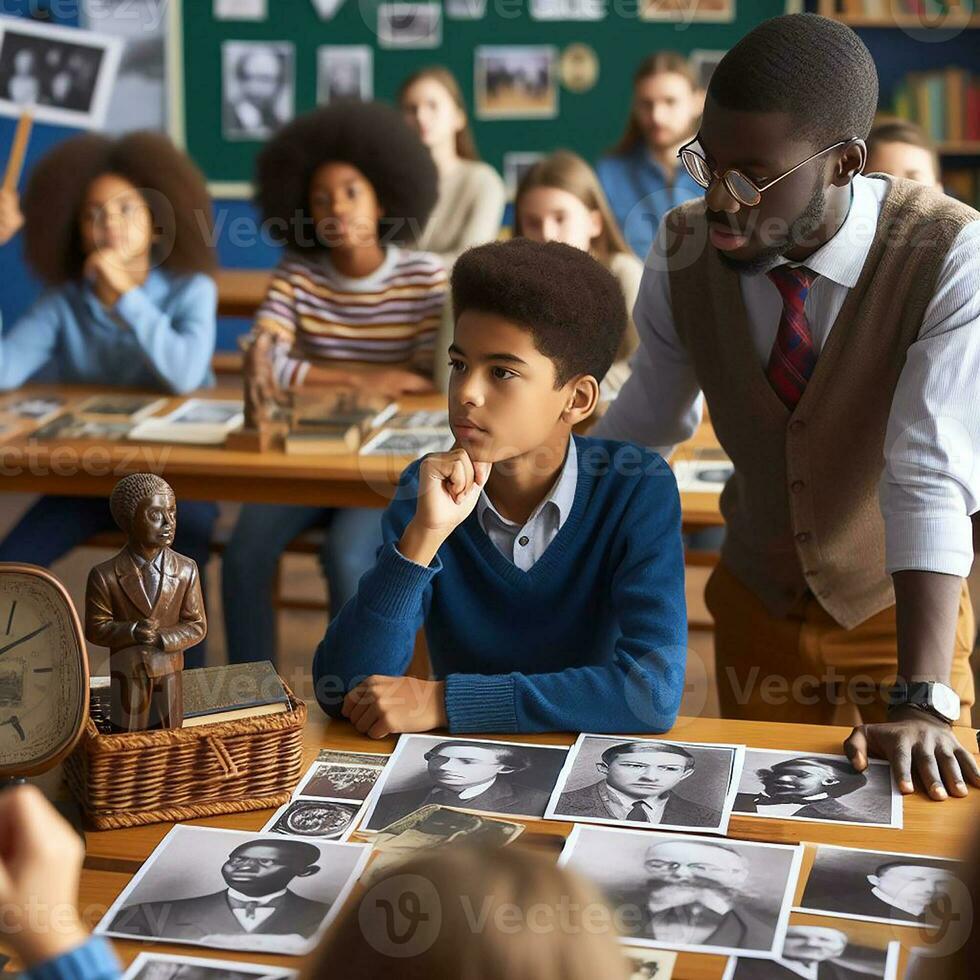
(640, 688)
(32, 341)
(375, 631)
(178, 344)
(93, 960)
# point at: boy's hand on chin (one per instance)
(449, 487)
(381, 706)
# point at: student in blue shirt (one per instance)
(119, 231)
(546, 568)
(641, 174)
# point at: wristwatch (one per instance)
(938, 700)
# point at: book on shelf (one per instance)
(945, 104)
(337, 424)
(231, 692)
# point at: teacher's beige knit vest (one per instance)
(802, 508)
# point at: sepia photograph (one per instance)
(338, 782)
(648, 782)
(322, 819)
(63, 75)
(515, 82)
(649, 964)
(409, 25)
(344, 71)
(471, 774)
(120, 408)
(690, 893)
(818, 952)
(885, 886)
(340, 758)
(823, 788)
(164, 966)
(258, 88)
(231, 889)
(688, 11)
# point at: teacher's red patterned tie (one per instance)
(793, 357)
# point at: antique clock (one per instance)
(44, 675)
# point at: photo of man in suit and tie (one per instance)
(643, 782)
(257, 899)
(490, 777)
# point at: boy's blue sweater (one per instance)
(592, 638)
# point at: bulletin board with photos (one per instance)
(536, 74)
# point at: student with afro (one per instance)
(546, 567)
(119, 231)
(340, 188)
(831, 321)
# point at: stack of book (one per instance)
(322, 423)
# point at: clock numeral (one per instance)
(43, 670)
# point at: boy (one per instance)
(547, 568)
(830, 321)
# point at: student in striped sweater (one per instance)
(348, 306)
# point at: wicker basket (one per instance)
(148, 777)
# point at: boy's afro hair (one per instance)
(571, 304)
(368, 135)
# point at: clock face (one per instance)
(43, 671)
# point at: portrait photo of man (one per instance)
(805, 787)
(818, 953)
(491, 777)
(641, 782)
(884, 887)
(258, 88)
(235, 890)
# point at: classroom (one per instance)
(489, 489)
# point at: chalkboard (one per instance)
(586, 121)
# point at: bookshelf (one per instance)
(962, 16)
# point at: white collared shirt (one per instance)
(259, 915)
(524, 545)
(621, 804)
(785, 809)
(470, 792)
(930, 484)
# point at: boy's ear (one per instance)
(583, 397)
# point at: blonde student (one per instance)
(560, 200)
(471, 199)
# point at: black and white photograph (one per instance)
(64, 75)
(338, 782)
(139, 96)
(204, 411)
(515, 82)
(344, 71)
(885, 886)
(678, 891)
(468, 773)
(819, 952)
(327, 9)
(648, 782)
(307, 817)
(466, 9)
(37, 409)
(407, 443)
(255, 10)
(568, 9)
(338, 757)
(704, 63)
(232, 889)
(409, 25)
(119, 408)
(70, 426)
(164, 966)
(822, 788)
(516, 165)
(702, 475)
(258, 88)
(650, 964)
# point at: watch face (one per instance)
(945, 701)
(43, 671)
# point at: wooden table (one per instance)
(91, 468)
(241, 291)
(941, 829)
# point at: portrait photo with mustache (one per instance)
(824, 788)
(687, 892)
(819, 952)
(648, 782)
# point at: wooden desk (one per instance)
(241, 291)
(113, 856)
(92, 468)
